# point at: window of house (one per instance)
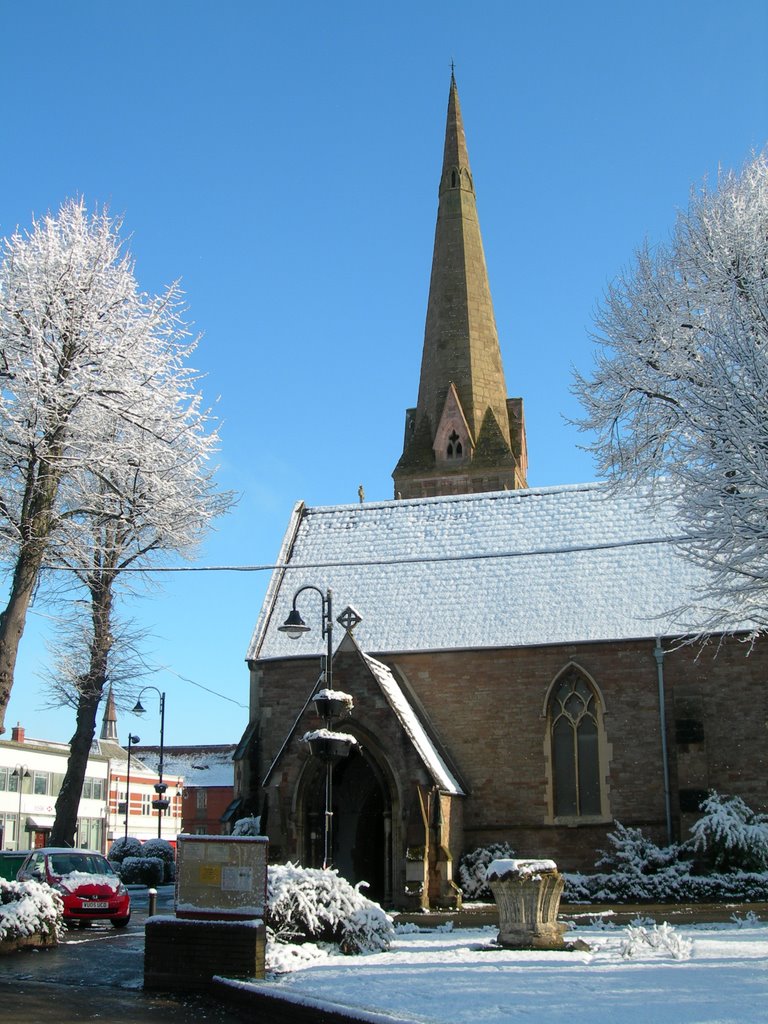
(41, 783)
(201, 799)
(575, 723)
(146, 803)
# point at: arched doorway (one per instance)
(362, 814)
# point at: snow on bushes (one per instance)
(660, 938)
(473, 867)
(142, 871)
(320, 906)
(163, 850)
(247, 827)
(731, 835)
(124, 847)
(30, 908)
(732, 838)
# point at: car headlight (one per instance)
(121, 890)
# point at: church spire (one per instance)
(464, 434)
(109, 721)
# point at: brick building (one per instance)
(208, 806)
(513, 654)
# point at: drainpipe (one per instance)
(658, 653)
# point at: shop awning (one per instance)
(39, 823)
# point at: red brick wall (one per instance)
(487, 710)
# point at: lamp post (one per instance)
(294, 626)
(131, 740)
(20, 772)
(161, 802)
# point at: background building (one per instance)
(209, 778)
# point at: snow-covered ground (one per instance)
(694, 974)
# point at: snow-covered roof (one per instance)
(424, 746)
(200, 766)
(510, 568)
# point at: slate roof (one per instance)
(511, 568)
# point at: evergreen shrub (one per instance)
(164, 850)
(142, 871)
(473, 867)
(310, 904)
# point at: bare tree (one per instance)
(680, 389)
(78, 341)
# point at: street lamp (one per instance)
(20, 772)
(161, 802)
(294, 626)
(131, 739)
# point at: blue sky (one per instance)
(282, 159)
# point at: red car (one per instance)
(86, 882)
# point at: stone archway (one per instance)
(362, 816)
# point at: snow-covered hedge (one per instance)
(30, 908)
(142, 871)
(125, 846)
(473, 867)
(726, 859)
(312, 904)
(130, 849)
(729, 837)
(164, 850)
(247, 827)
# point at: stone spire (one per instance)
(464, 435)
(109, 721)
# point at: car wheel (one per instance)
(120, 922)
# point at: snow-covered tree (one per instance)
(98, 411)
(153, 494)
(680, 387)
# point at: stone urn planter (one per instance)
(527, 894)
(328, 745)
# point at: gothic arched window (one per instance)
(575, 721)
(453, 449)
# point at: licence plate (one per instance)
(95, 905)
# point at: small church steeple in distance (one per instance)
(464, 435)
(109, 721)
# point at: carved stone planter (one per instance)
(527, 894)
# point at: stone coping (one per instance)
(477, 915)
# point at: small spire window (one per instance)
(454, 449)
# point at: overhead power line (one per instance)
(397, 560)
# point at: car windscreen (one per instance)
(88, 863)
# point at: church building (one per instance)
(496, 663)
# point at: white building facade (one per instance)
(112, 805)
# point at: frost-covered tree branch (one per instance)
(104, 443)
(680, 386)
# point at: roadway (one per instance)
(97, 973)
